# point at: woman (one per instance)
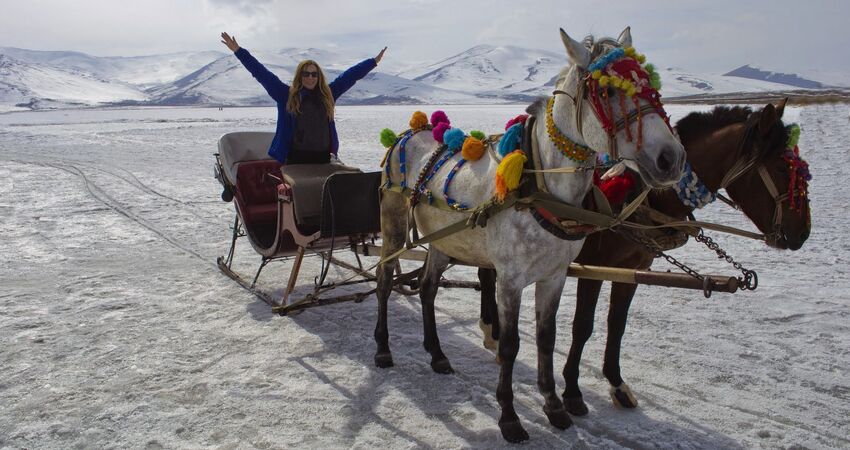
(305, 132)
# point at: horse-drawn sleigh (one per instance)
(516, 207)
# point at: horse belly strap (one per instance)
(569, 230)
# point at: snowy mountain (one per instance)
(676, 82)
(482, 74)
(493, 71)
(226, 82)
(143, 71)
(753, 73)
(37, 86)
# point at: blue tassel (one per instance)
(511, 140)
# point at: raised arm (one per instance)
(277, 89)
(347, 79)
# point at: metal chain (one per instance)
(750, 280)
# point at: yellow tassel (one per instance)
(616, 81)
(596, 74)
(509, 172)
(641, 58)
(472, 149)
(630, 52)
(418, 121)
(604, 80)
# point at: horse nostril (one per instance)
(666, 159)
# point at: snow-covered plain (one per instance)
(118, 330)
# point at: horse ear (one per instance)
(625, 38)
(578, 54)
(766, 119)
(780, 108)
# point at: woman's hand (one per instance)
(230, 42)
(380, 55)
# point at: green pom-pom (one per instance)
(793, 135)
(477, 135)
(388, 137)
(654, 77)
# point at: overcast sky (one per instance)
(698, 35)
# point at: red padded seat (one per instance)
(256, 193)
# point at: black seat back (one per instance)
(351, 204)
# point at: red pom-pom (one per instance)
(518, 119)
(439, 130)
(438, 117)
(616, 188)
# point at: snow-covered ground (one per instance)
(118, 330)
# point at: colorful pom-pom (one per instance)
(641, 58)
(604, 80)
(453, 138)
(478, 135)
(617, 82)
(616, 188)
(438, 117)
(630, 51)
(511, 140)
(509, 173)
(439, 130)
(793, 135)
(388, 138)
(418, 121)
(473, 149)
(596, 74)
(518, 119)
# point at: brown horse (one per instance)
(716, 143)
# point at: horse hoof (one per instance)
(558, 418)
(489, 343)
(384, 360)
(442, 366)
(575, 406)
(623, 397)
(513, 432)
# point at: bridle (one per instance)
(743, 166)
(585, 88)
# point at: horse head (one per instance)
(608, 98)
(774, 195)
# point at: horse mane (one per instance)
(698, 124)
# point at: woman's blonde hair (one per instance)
(293, 104)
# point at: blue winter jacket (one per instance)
(279, 91)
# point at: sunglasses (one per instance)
(307, 74)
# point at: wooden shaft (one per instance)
(718, 283)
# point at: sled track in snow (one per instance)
(134, 181)
(110, 202)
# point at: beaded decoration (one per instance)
(454, 204)
(798, 183)
(624, 69)
(570, 148)
(692, 192)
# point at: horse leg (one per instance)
(587, 294)
(434, 266)
(393, 229)
(621, 299)
(489, 321)
(547, 295)
(509, 298)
